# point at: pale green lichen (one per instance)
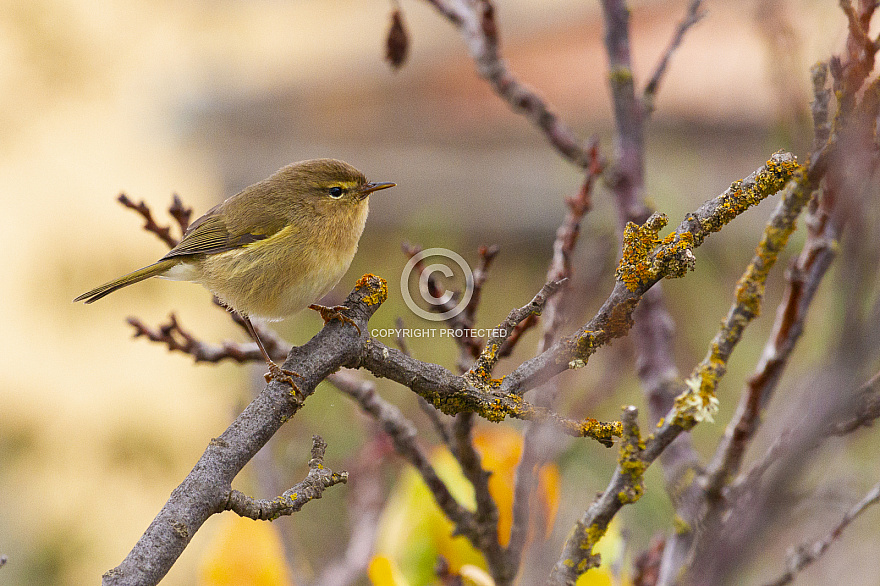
(698, 403)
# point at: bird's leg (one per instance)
(335, 312)
(275, 371)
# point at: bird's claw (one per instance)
(283, 375)
(335, 312)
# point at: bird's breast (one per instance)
(276, 277)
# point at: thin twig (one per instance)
(292, 500)
(403, 435)
(475, 22)
(693, 16)
(163, 233)
(808, 552)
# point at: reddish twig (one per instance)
(181, 214)
(462, 329)
(177, 211)
(177, 339)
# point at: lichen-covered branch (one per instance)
(292, 500)
(626, 487)
(206, 489)
(648, 260)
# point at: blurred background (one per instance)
(205, 97)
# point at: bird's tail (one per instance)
(135, 277)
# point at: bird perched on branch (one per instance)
(272, 249)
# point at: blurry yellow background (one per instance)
(202, 98)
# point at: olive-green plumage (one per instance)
(275, 247)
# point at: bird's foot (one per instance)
(335, 312)
(285, 376)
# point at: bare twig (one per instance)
(564, 244)
(861, 411)
(517, 333)
(163, 233)
(807, 553)
(693, 16)
(403, 435)
(181, 214)
(292, 500)
(475, 22)
(462, 329)
(177, 339)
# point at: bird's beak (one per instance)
(371, 187)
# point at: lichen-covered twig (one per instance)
(648, 260)
(312, 487)
(333, 347)
(626, 486)
(807, 553)
(480, 373)
(700, 399)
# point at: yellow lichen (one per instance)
(604, 432)
(681, 526)
(377, 286)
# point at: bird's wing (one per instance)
(210, 234)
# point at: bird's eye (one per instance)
(335, 192)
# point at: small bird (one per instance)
(272, 249)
